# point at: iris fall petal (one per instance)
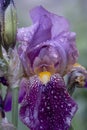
(47, 107)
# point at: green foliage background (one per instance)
(76, 12)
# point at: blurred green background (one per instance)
(76, 12)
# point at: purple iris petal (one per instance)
(47, 107)
(22, 89)
(26, 34)
(22, 92)
(51, 32)
(48, 54)
(68, 42)
(8, 101)
(57, 24)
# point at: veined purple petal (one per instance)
(68, 42)
(47, 107)
(46, 26)
(49, 43)
(58, 23)
(39, 14)
(49, 54)
(55, 53)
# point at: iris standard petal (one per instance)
(52, 33)
(47, 107)
(50, 55)
(59, 53)
(58, 23)
(68, 42)
(46, 26)
(26, 34)
(43, 33)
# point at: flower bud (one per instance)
(8, 23)
(77, 77)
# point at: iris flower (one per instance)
(45, 54)
(47, 51)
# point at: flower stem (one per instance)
(71, 89)
(15, 106)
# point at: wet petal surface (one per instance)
(49, 36)
(47, 107)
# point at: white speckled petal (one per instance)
(47, 107)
